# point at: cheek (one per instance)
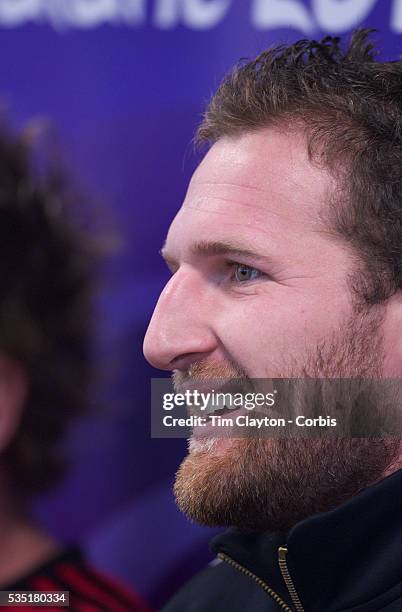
(262, 332)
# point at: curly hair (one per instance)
(350, 107)
(46, 274)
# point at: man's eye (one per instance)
(244, 273)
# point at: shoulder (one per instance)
(88, 587)
(220, 588)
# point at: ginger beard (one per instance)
(273, 483)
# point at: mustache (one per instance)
(203, 371)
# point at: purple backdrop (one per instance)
(125, 82)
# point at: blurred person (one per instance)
(286, 262)
(47, 267)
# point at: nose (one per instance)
(180, 332)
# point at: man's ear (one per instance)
(13, 393)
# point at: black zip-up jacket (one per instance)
(345, 560)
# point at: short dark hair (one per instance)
(350, 107)
(47, 266)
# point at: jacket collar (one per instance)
(337, 559)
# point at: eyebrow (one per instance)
(209, 249)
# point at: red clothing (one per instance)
(89, 590)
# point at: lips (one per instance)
(219, 411)
(213, 396)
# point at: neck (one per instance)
(396, 464)
(23, 545)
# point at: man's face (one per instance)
(259, 290)
(281, 284)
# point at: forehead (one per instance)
(252, 186)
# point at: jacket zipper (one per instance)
(260, 582)
(283, 566)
